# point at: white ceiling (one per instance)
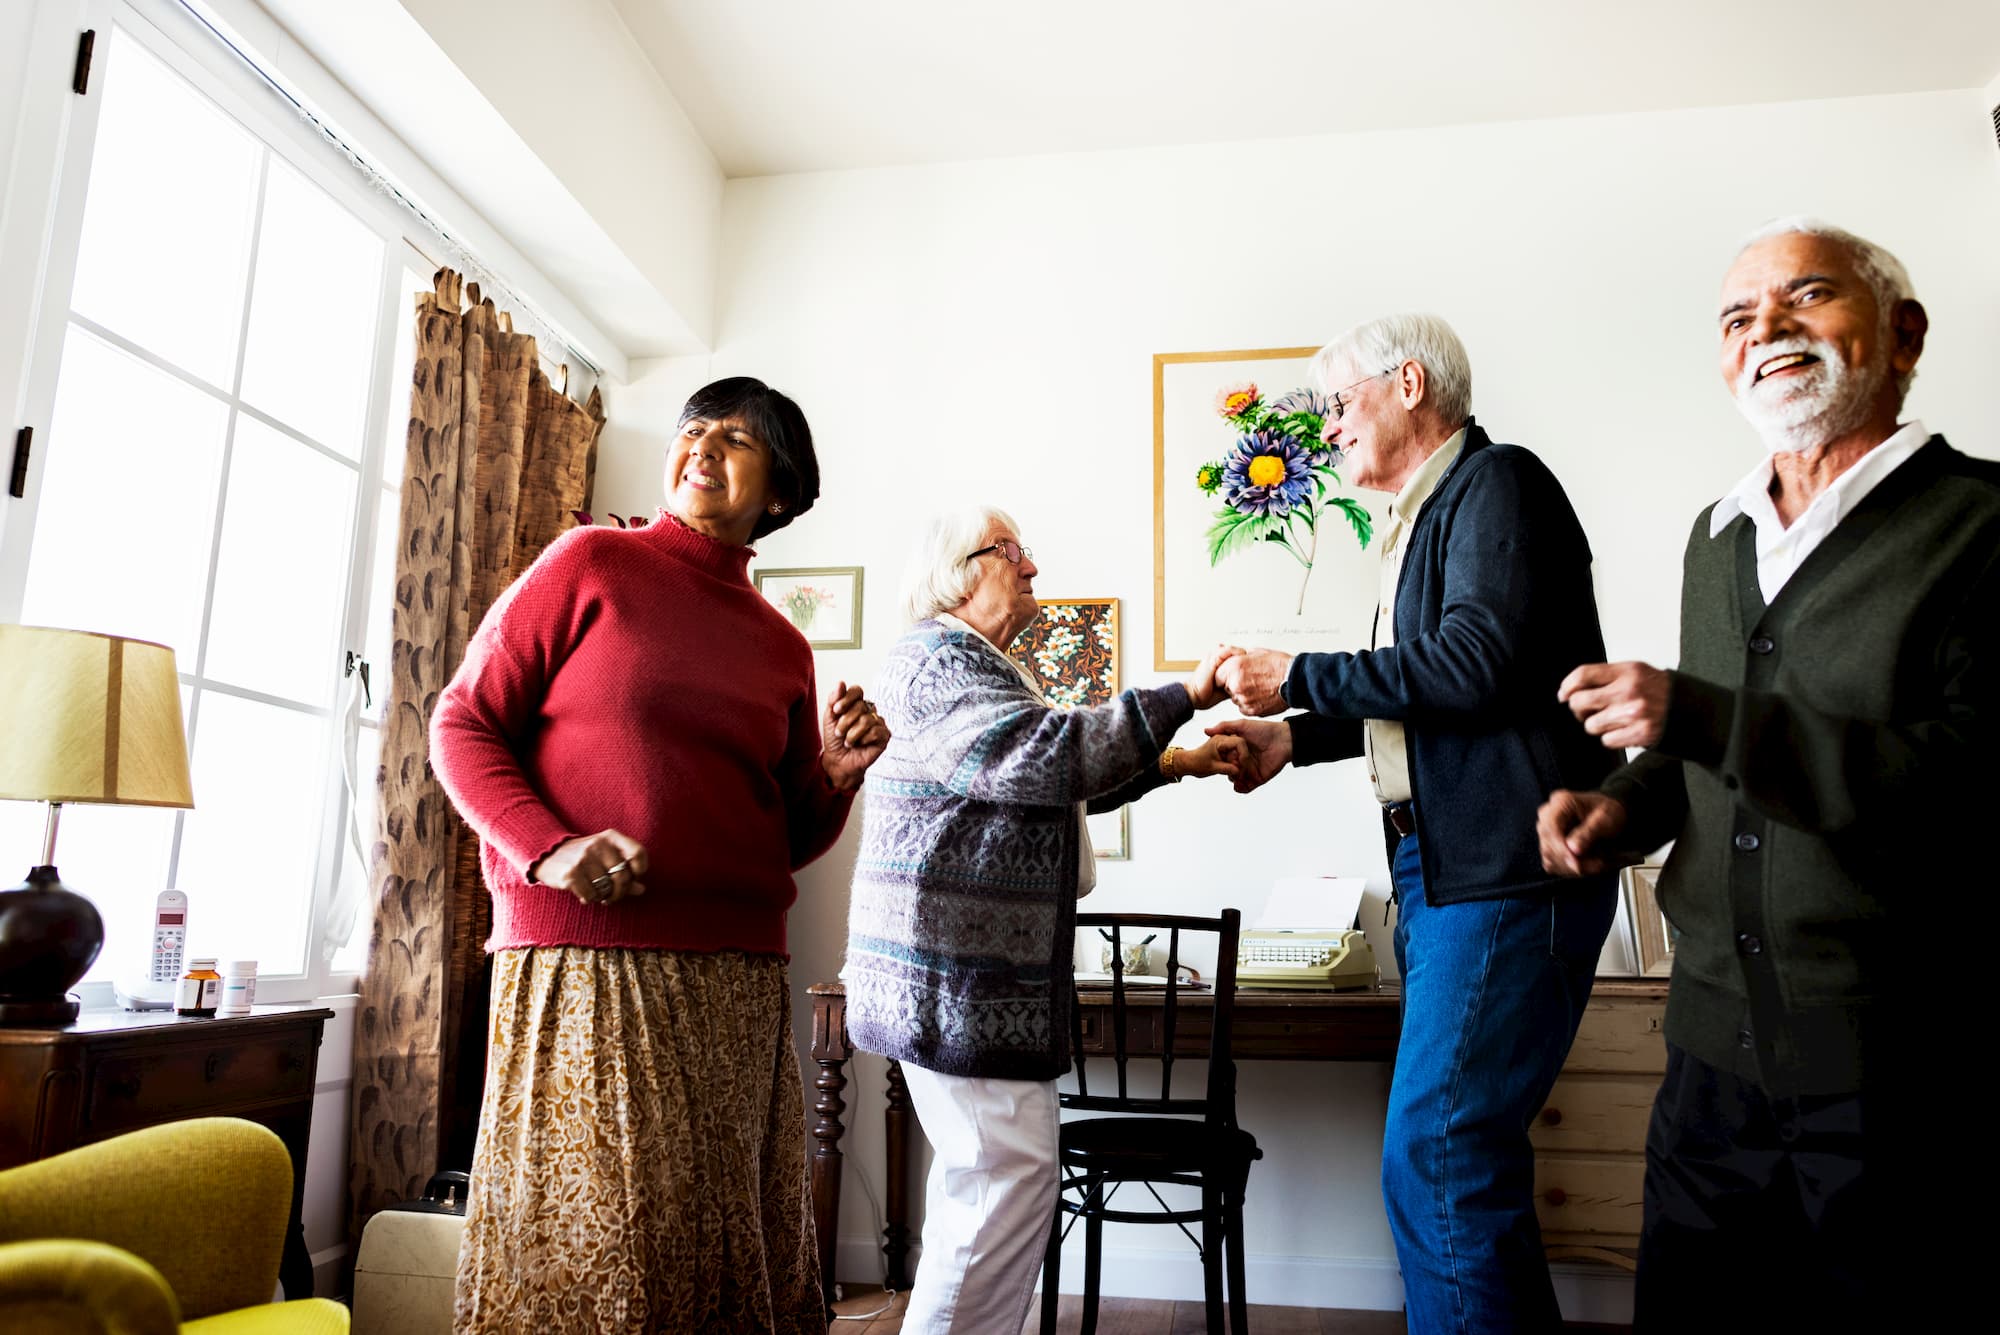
(801, 85)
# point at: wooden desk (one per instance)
(1358, 1025)
(116, 1071)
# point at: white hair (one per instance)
(1883, 272)
(1385, 344)
(937, 577)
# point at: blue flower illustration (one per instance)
(1266, 474)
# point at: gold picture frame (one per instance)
(1254, 597)
(823, 602)
(1653, 936)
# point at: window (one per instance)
(221, 475)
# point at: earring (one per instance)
(777, 507)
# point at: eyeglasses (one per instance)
(1340, 404)
(1013, 551)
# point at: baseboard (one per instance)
(1587, 1292)
(327, 1271)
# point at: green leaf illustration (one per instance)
(1358, 517)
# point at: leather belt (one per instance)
(1401, 817)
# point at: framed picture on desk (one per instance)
(1652, 935)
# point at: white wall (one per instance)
(984, 332)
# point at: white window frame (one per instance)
(171, 34)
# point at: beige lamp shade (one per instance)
(90, 718)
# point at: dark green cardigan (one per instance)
(1827, 777)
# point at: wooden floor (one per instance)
(1143, 1316)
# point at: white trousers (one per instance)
(991, 1195)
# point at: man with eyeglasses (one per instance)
(1486, 604)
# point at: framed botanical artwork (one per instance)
(1071, 650)
(1653, 936)
(1256, 540)
(824, 603)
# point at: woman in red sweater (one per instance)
(636, 737)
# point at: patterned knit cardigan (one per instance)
(962, 927)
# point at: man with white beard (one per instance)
(1821, 759)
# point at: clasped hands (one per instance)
(1252, 750)
(1621, 704)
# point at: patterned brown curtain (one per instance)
(496, 460)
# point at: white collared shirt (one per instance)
(1782, 550)
(1086, 871)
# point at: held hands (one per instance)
(1253, 678)
(1217, 755)
(852, 737)
(600, 868)
(1201, 684)
(1266, 749)
(1579, 833)
(1625, 704)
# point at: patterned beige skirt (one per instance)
(641, 1163)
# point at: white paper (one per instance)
(1312, 903)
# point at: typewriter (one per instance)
(1318, 961)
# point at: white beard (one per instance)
(1812, 406)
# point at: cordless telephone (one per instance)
(169, 937)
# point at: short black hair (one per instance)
(778, 422)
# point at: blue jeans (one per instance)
(1492, 994)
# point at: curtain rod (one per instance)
(462, 256)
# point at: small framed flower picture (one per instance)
(824, 603)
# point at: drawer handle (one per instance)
(1555, 1196)
(290, 1061)
(123, 1087)
(1552, 1117)
(212, 1068)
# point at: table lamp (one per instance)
(83, 718)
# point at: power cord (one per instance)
(881, 1227)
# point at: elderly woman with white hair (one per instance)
(961, 934)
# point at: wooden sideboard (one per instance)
(1590, 1138)
(115, 1071)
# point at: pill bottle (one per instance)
(239, 988)
(199, 991)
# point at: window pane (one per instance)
(252, 839)
(128, 502)
(352, 955)
(116, 857)
(166, 225)
(281, 572)
(312, 313)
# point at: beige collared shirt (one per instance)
(1387, 751)
(1086, 872)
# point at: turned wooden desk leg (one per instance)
(830, 1050)
(896, 1134)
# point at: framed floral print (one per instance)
(824, 603)
(1071, 650)
(1257, 540)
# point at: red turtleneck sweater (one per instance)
(633, 679)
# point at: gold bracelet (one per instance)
(1168, 770)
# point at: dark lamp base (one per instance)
(37, 1014)
(48, 937)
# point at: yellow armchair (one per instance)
(176, 1228)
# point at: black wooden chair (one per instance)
(1154, 1142)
